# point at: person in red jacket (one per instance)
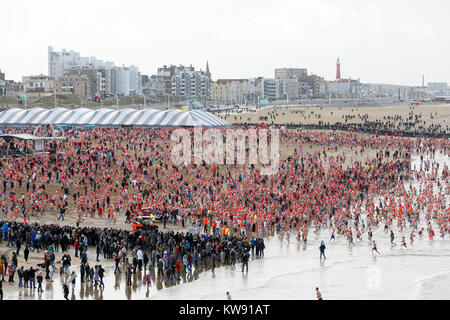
(11, 271)
(76, 245)
(178, 269)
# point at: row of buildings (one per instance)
(69, 72)
(185, 81)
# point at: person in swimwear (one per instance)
(374, 247)
(318, 294)
(369, 234)
(403, 242)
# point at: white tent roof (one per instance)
(15, 117)
(109, 117)
(5, 115)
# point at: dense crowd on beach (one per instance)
(166, 254)
(105, 173)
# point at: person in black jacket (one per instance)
(66, 291)
(39, 281)
(26, 252)
(101, 273)
(322, 250)
(82, 270)
(245, 257)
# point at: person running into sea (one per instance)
(374, 247)
(318, 294)
(403, 242)
(333, 237)
(392, 239)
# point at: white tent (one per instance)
(109, 117)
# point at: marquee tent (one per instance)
(17, 117)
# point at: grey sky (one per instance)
(377, 41)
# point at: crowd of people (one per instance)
(166, 254)
(415, 123)
(107, 173)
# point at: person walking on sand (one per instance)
(72, 279)
(228, 296)
(61, 213)
(39, 281)
(245, 261)
(101, 273)
(26, 252)
(148, 278)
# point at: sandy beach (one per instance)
(430, 114)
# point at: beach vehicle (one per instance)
(149, 212)
(144, 222)
(415, 102)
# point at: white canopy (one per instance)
(110, 117)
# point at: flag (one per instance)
(20, 99)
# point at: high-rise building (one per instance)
(186, 82)
(59, 61)
(279, 89)
(135, 81)
(105, 78)
(120, 81)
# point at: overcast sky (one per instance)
(378, 41)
